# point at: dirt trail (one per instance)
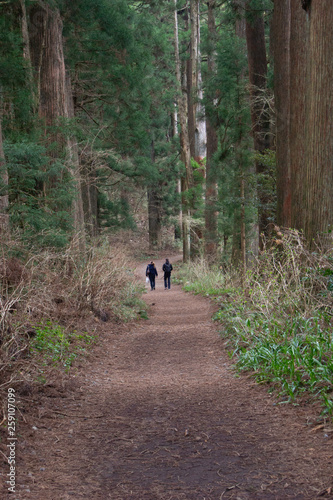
(158, 414)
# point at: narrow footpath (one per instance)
(158, 414)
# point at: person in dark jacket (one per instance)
(167, 268)
(151, 272)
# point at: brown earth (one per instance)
(157, 413)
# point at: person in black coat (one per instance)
(167, 268)
(151, 272)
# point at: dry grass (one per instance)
(291, 279)
(60, 289)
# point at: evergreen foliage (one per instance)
(120, 58)
(230, 114)
(41, 220)
(120, 64)
(16, 96)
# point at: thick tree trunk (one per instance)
(192, 72)
(75, 171)
(54, 97)
(25, 32)
(319, 126)
(257, 62)
(27, 53)
(174, 133)
(239, 237)
(281, 51)
(212, 144)
(298, 119)
(196, 122)
(47, 55)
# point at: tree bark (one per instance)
(243, 228)
(239, 237)
(47, 54)
(55, 98)
(197, 125)
(211, 237)
(257, 62)
(75, 171)
(4, 217)
(281, 52)
(192, 72)
(154, 219)
(154, 212)
(89, 192)
(298, 119)
(27, 54)
(319, 127)
(196, 122)
(174, 133)
(187, 179)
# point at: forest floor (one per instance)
(156, 412)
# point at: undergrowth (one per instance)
(200, 278)
(277, 321)
(52, 302)
(53, 344)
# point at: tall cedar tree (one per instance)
(187, 177)
(55, 101)
(257, 60)
(298, 119)
(319, 126)
(211, 236)
(281, 49)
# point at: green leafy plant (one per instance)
(57, 346)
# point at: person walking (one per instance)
(151, 272)
(167, 268)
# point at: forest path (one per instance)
(160, 415)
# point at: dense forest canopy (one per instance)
(209, 118)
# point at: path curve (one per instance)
(160, 415)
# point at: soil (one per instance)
(157, 412)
